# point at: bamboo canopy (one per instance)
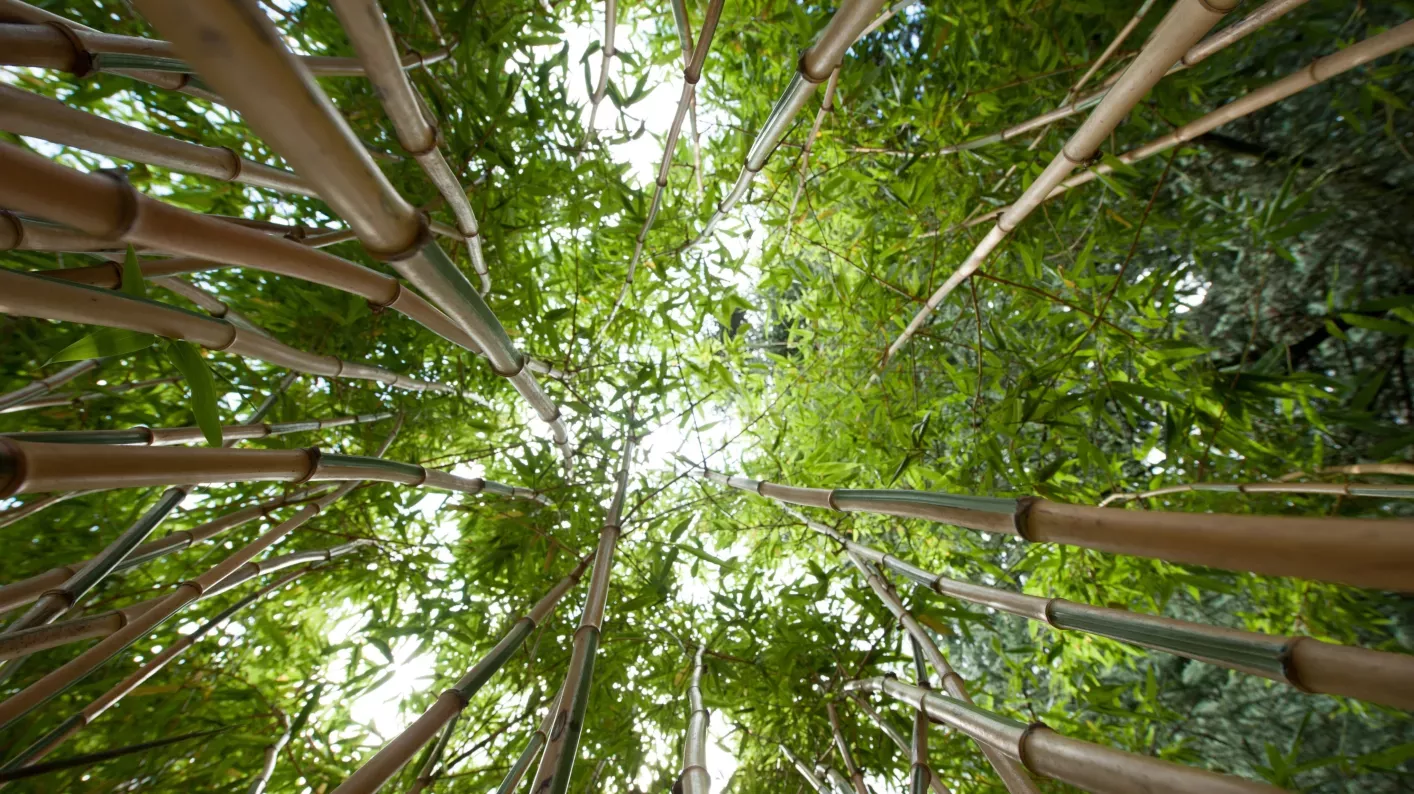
(1092, 767)
(856, 777)
(557, 762)
(1307, 664)
(376, 771)
(278, 99)
(1180, 29)
(694, 778)
(1375, 553)
(168, 436)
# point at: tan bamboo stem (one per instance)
(934, 782)
(386, 762)
(694, 778)
(1340, 489)
(1180, 29)
(90, 396)
(606, 58)
(919, 770)
(826, 106)
(1363, 552)
(272, 750)
(29, 295)
(1398, 469)
(248, 62)
(1092, 767)
(427, 775)
(25, 234)
(1298, 661)
(417, 133)
(24, 113)
(856, 777)
(692, 73)
(27, 590)
(814, 782)
(816, 65)
(557, 762)
(1314, 73)
(44, 385)
(1011, 773)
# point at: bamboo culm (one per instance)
(1180, 29)
(856, 777)
(921, 775)
(1377, 553)
(427, 774)
(250, 65)
(84, 397)
(386, 762)
(694, 778)
(45, 385)
(805, 771)
(1307, 664)
(538, 741)
(143, 436)
(1092, 767)
(557, 762)
(272, 751)
(933, 782)
(606, 59)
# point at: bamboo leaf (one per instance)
(105, 342)
(132, 275)
(200, 385)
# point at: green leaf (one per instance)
(105, 342)
(132, 275)
(201, 385)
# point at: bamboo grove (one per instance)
(523, 396)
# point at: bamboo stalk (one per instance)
(694, 778)
(30, 508)
(1377, 553)
(837, 781)
(1397, 469)
(1092, 767)
(426, 775)
(386, 762)
(143, 436)
(888, 14)
(933, 782)
(61, 733)
(816, 65)
(1340, 489)
(683, 23)
(856, 778)
(417, 133)
(26, 234)
(921, 775)
(272, 750)
(538, 740)
(814, 782)
(1314, 73)
(557, 762)
(30, 295)
(1305, 663)
(248, 62)
(45, 385)
(90, 396)
(207, 302)
(694, 58)
(24, 113)
(601, 87)
(1012, 775)
(92, 759)
(826, 106)
(1180, 29)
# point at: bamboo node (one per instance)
(1215, 9)
(422, 240)
(128, 200)
(314, 456)
(14, 221)
(521, 362)
(236, 163)
(83, 59)
(1020, 518)
(804, 71)
(12, 468)
(1287, 659)
(1021, 742)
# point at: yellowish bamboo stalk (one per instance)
(25, 234)
(1331, 488)
(1092, 767)
(1180, 29)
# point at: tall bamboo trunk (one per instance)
(386, 762)
(46, 384)
(694, 778)
(557, 762)
(538, 741)
(1092, 767)
(1180, 29)
(272, 750)
(1376, 553)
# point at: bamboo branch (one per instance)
(143, 436)
(272, 750)
(89, 396)
(826, 106)
(1089, 766)
(30, 508)
(814, 782)
(1356, 551)
(386, 762)
(933, 782)
(856, 777)
(426, 775)
(684, 27)
(93, 759)
(1184, 24)
(601, 87)
(1396, 469)
(694, 778)
(1340, 489)
(538, 740)
(557, 762)
(44, 385)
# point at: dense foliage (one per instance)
(1234, 312)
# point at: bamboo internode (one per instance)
(168, 436)
(1180, 29)
(1363, 552)
(1092, 767)
(694, 778)
(386, 762)
(538, 740)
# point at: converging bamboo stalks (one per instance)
(1180, 29)
(1305, 663)
(249, 64)
(1357, 551)
(920, 776)
(692, 73)
(169, 436)
(427, 774)
(557, 762)
(856, 777)
(538, 741)
(1333, 488)
(932, 781)
(816, 64)
(1314, 73)
(386, 762)
(694, 778)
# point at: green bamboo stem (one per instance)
(77, 722)
(538, 741)
(272, 750)
(694, 58)
(92, 759)
(1314, 73)
(1332, 488)
(24, 113)
(856, 777)
(932, 781)
(1092, 767)
(1305, 663)
(427, 774)
(694, 778)
(607, 53)
(249, 64)
(45, 385)
(557, 762)
(386, 762)
(921, 775)
(816, 64)
(1376, 553)
(827, 104)
(815, 783)
(418, 135)
(143, 436)
(30, 295)
(1180, 29)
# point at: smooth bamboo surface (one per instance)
(1327, 488)
(538, 740)
(694, 778)
(1092, 767)
(143, 436)
(1180, 29)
